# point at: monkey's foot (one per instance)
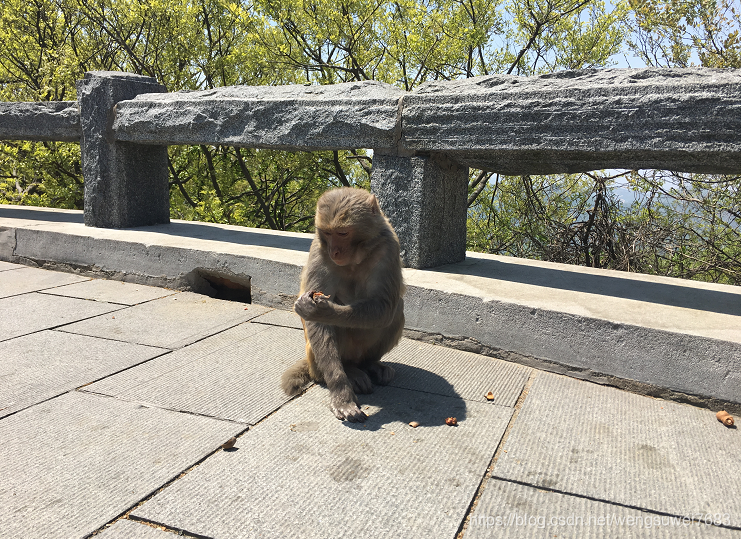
(380, 373)
(349, 411)
(361, 382)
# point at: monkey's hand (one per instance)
(316, 309)
(344, 408)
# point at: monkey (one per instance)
(359, 314)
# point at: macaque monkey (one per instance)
(350, 301)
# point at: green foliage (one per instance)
(677, 225)
(687, 32)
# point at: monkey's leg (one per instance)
(380, 373)
(323, 341)
(300, 373)
(360, 381)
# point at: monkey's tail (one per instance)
(296, 377)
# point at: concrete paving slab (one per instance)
(581, 438)
(25, 279)
(510, 510)
(178, 359)
(46, 364)
(129, 529)
(302, 473)
(236, 375)
(111, 291)
(279, 317)
(7, 266)
(28, 313)
(73, 463)
(171, 322)
(445, 371)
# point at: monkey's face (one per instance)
(339, 244)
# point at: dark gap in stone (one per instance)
(220, 284)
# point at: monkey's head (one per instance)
(346, 219)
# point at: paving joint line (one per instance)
(614, 503)
(487, 474)
(44, 290)
(48, 293)
(56, 328)
(146, 404)
(158, 525)
(60, 328)
(126, 513)
(164, 352)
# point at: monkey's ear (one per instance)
(375, 208)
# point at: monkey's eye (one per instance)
(342, 234)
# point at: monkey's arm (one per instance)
(369, 313)
(323, 341)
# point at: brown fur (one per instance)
(354, 259)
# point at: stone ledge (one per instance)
(294, 117)
(659, 332)
(573, 121)
(51, 120)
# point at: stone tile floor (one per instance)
(115, 399)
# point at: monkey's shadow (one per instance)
(414, 395)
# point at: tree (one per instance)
(684, 225)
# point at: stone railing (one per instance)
(423, 141)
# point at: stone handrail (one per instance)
(423, 141)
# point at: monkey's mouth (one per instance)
(342, 261)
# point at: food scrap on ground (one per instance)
(413, 424)
(229, 443)
(490, 396)
(451, 421)
(725, 418)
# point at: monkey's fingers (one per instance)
(349, 412)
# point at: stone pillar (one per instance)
(126, 184)
(425, 198)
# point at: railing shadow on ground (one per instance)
(248, 236)
(678, 295)
(40, 214)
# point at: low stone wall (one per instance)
(423, 141)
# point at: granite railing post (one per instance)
(126, 184)
(425, 198)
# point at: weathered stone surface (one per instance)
(71, 464)
(677, 119)
(279, 317)
(111, 291)
(126, 184)
(234, 375)
(425, 200)
(28, 313)
(454, 373)
(43, 365)
(129, 529)
(512, 511)
(295, 117)
(25, 279)
(170, 322)
(302, 473)
(610, 445)
(51, 120)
